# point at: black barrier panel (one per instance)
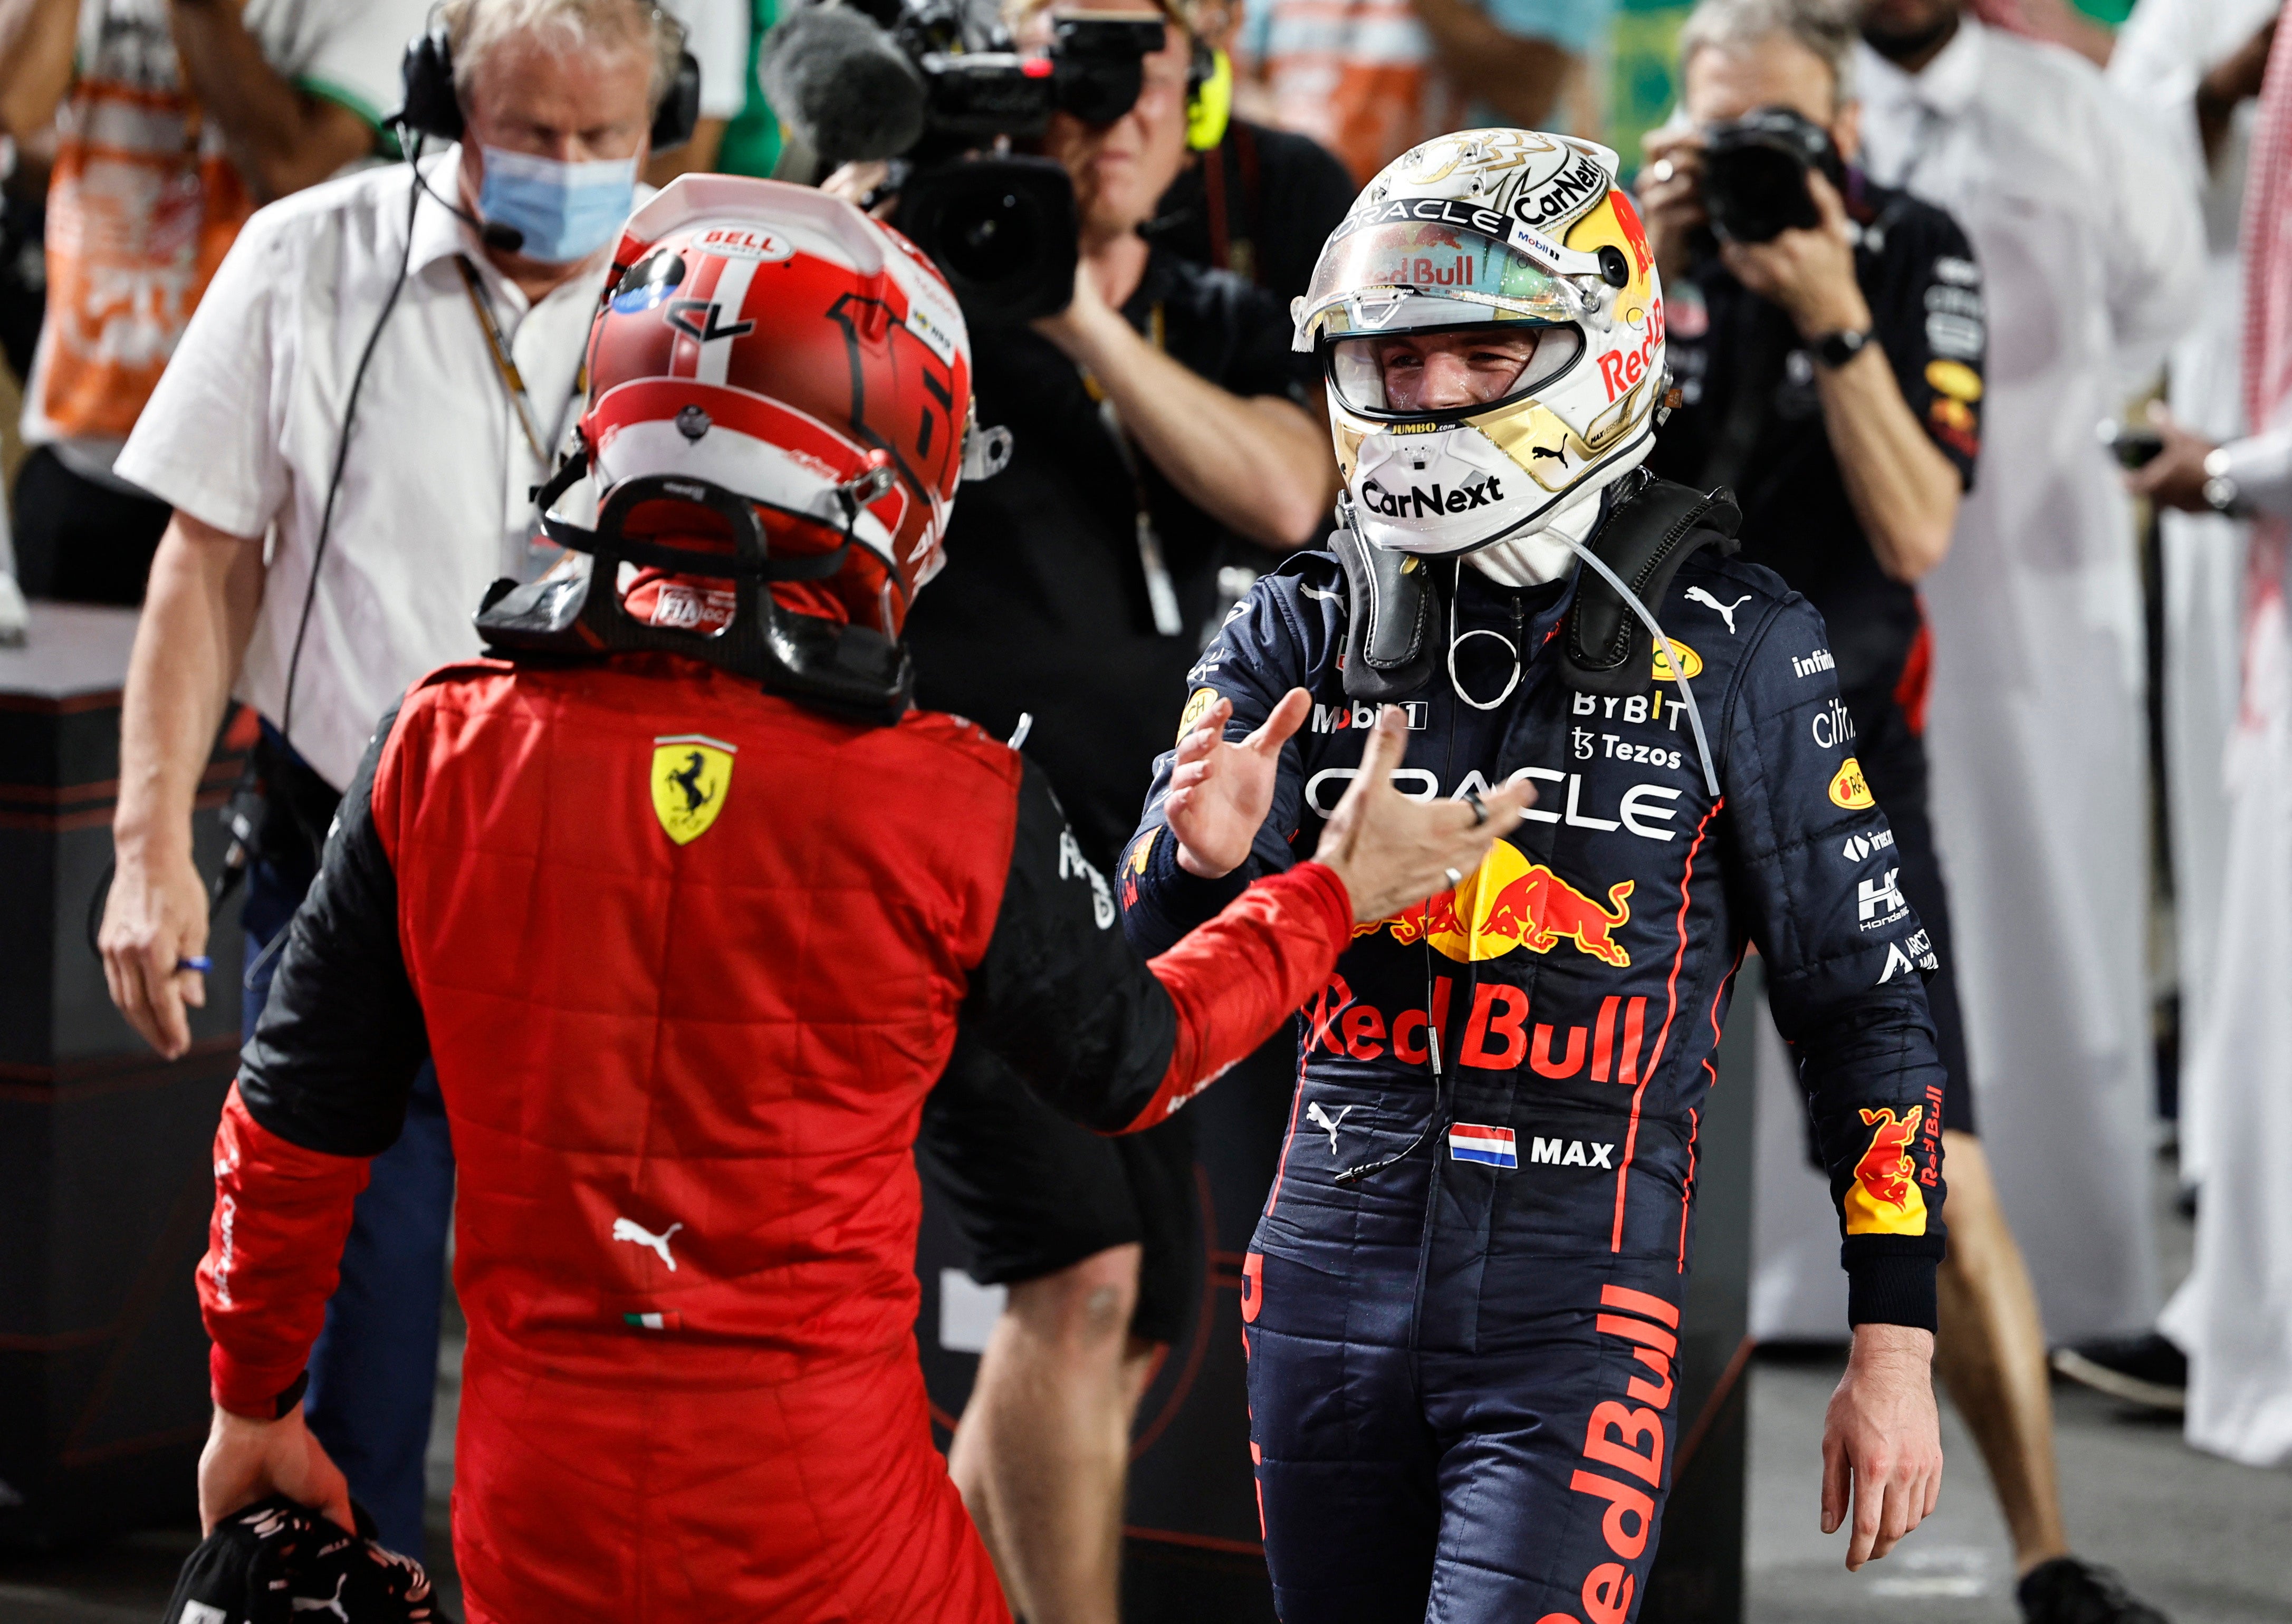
(105, 1182)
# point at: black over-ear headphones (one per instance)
(431, 108)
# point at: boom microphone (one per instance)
(844, 86)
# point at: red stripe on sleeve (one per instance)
(274, 1250)
(1237, 978)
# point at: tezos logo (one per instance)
(1416, 502)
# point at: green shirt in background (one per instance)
(752, 140)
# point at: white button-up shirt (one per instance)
(242, 431)
(2092, 251)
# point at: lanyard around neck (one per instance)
(512, 380)
(1161, 591)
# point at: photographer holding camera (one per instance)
(1163, 428)
(1827, 333)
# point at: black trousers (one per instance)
(79, 541)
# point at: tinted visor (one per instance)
(1408, 274)
(1450, 369)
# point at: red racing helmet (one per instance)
(779, 399)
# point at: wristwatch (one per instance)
(2219, 491)
(1834, 349)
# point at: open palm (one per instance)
(1221, 790)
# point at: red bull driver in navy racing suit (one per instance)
(1462, 1302)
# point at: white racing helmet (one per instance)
(1514, 234)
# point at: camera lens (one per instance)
(991, 235)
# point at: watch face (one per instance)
(1837, 349)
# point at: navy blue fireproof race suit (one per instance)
(1461, 1389)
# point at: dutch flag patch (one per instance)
(1491, 1147)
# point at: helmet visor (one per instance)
(1421, 371)
(1411, 273)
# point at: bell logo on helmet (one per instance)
(744, 243)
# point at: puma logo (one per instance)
(1726, 611)
(1321, 1120)
(333, 1604)
(1558, 457)
(628, 1229)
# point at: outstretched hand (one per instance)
(1392, 851)
(1882, 1441)
(1220, 791)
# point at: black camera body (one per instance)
(1002, 228)
(1755, 173)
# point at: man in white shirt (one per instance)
(2091, 250)
(455, 311)
(175, 119)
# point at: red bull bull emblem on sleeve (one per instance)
(1883, 1199)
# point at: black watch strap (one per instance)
(284, 1405)
(1834, 349)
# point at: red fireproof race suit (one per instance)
(688, 958)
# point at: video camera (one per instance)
(925, 86)
(1755, 173)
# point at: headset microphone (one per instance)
(496, 235)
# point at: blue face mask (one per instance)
(567, 211)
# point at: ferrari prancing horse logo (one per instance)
(690, 773)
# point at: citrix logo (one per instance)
(1416, 502)
(1832, 727)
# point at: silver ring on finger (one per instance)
(1480, 807)
(1662, 170)
(1455, 878)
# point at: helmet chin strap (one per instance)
(1543, 554)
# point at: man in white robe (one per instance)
(2091, 247)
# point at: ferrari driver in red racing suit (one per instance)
(686, 905)
(1462, 1302)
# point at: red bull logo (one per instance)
(1884, 1200)
(1510, 902)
